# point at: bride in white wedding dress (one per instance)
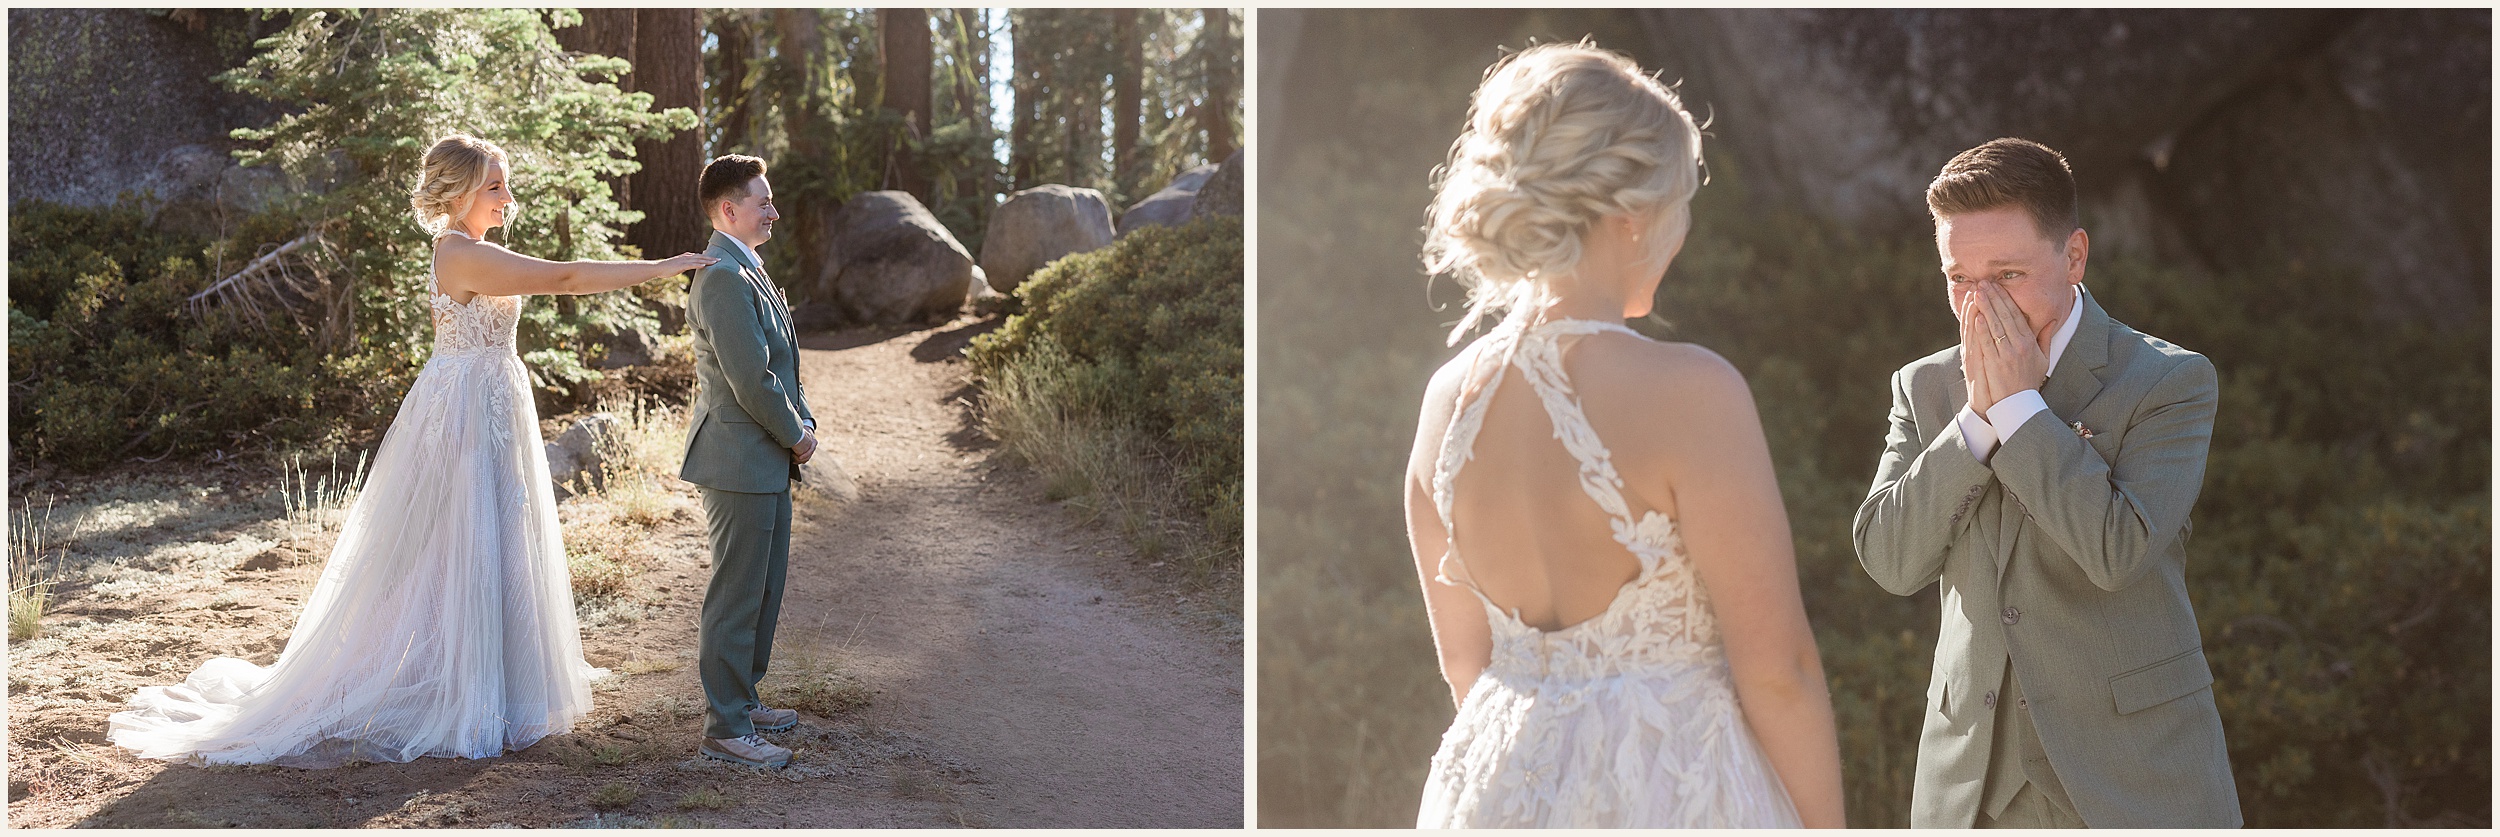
(1605, 560)
(443, 623)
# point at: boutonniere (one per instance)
(2081, 432)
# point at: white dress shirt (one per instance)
(1983, 434)
(752, 258)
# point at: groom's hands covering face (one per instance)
(2001, 354)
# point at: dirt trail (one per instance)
(1025, 669)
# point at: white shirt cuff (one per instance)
(2010, 413)
(1976, 434)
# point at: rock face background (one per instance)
(88, 122)
(2220, 139)
(1036, 226)
(2227, 138)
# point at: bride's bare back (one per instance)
(1680, 427)
(1534, 542)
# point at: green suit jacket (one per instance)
(2066, 557)
(748, 407)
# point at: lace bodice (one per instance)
(484, 324)
(1659, 619)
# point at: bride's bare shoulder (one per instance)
(1447, 381)
(1658, 375)
(455, 245)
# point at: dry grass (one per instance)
(649, 665)
(706, 798)
(30, 580)
(635, 487)
(614, 795)
(315, 503)
(664, 710)
(817, 687)
(597, 576)
(606, 558)
(585, 754)
(643, 457)
(1110, 471)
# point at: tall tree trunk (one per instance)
(668, 50)
(1128, 72)
(1215, 115)
(805, 206)
(729, 110)
(972, 87)
(1083, 100)
(906, 55)
(972, 74)
(608, 32)
(801, 48)
(1084, 122)
(1026, 84)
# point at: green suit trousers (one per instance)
(750, 567)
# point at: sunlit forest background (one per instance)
(211, 249)
(2304, 197)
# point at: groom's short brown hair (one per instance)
(727, 174)
(2009, 172)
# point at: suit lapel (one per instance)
(2077, 379)
(759, 282)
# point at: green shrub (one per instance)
(115, 362)
(111, 364)
(368, 91)
(1144, 334)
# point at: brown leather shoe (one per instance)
(750, 750)
(768, 719)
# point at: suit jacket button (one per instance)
(2013, 615)
(1989, 700)
(2023, 704)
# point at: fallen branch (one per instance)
(256, 267)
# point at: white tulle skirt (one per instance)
(1654, 749)
(443, 623)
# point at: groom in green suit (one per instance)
(2041, 473)
(751, 432)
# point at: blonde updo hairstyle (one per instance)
(1558, 137)
(455, 168)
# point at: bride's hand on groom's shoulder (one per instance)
(683, 262)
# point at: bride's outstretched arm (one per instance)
(479, 267)
(1736, 531)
